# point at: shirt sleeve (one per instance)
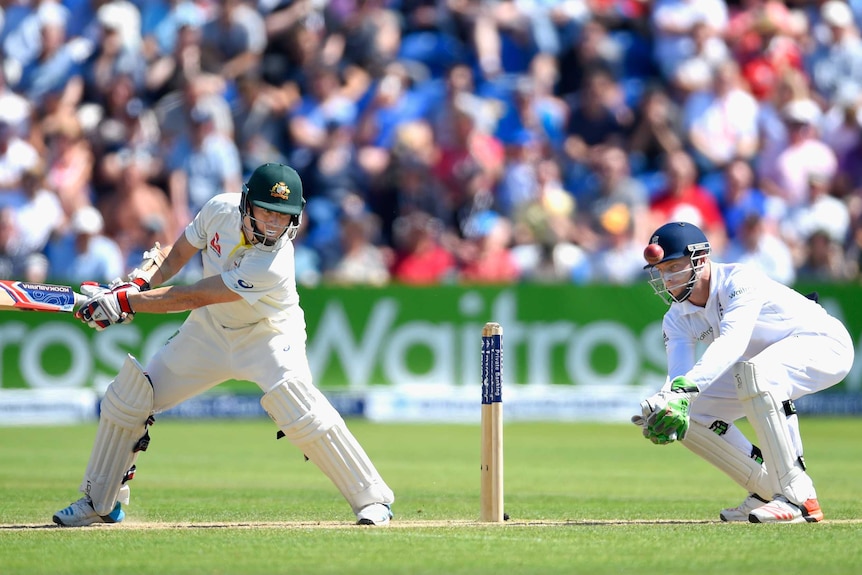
(253, 278)
(680, 348)
(742, 300)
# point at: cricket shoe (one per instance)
(742, 511)
(81, 512)
(780, 510)
(375, 514)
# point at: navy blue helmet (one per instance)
(676, 240)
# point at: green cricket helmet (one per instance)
(277, 188)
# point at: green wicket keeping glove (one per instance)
(669, 423)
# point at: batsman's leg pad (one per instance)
(310, 422)
(766, 415)
(744, 469)
(122, 433)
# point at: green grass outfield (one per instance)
(226, 497)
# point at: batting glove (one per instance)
(666, 414)
(107, 305)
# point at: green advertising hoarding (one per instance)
(367, 338)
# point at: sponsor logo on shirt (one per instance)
(244, 284)
(739, 291)
(215, 245)
(704, 334)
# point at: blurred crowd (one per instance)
(439, 141)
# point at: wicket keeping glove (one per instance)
(668, 419)
(107, 305)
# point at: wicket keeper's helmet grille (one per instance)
(679, 239)
(275, 187)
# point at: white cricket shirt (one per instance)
(745, 313)
(265, 280)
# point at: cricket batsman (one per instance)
(245, 323)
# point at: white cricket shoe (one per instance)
(81, 512)
(374, 514)
(780, 510)
(742, 511)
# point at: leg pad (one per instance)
(309, 421)
(125, 414)
(744, 469)
(768, 416)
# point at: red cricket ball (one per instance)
(653, 254)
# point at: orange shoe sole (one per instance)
(811, 511)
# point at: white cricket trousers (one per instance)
(794, 367)
(204, 354)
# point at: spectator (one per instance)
(409, 184)
(822, 213)
(118, 52)
(57, 67)
(39, 217)
(12, 262)
(84, 253)
(740, 198)
(620, 259)
(324, 105)
(201, 165)
(772, 127)
(258, 118)
(361, 261)
(673, 22)
(612, 187)
(592, 48)
(837, 59)
(421, 258)
(656, 131)
(549, 214)
(804, 155)
(232, 43)
(168, 68)
(721, 123)
(70, 163)
(485, 257)
(592, 122)
(840, 127)
(519, 184)
(824, 260)
(140, 212)
(16, 157)
(685, 201)
(755, 244)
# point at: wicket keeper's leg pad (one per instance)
(766, 414)
(742, 468)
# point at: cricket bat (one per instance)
(26, 296)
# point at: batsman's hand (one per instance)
(106, 305)
(665, 415)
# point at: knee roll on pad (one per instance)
(766, 415)
(310, 422)
(743, 469)
(125, 413)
